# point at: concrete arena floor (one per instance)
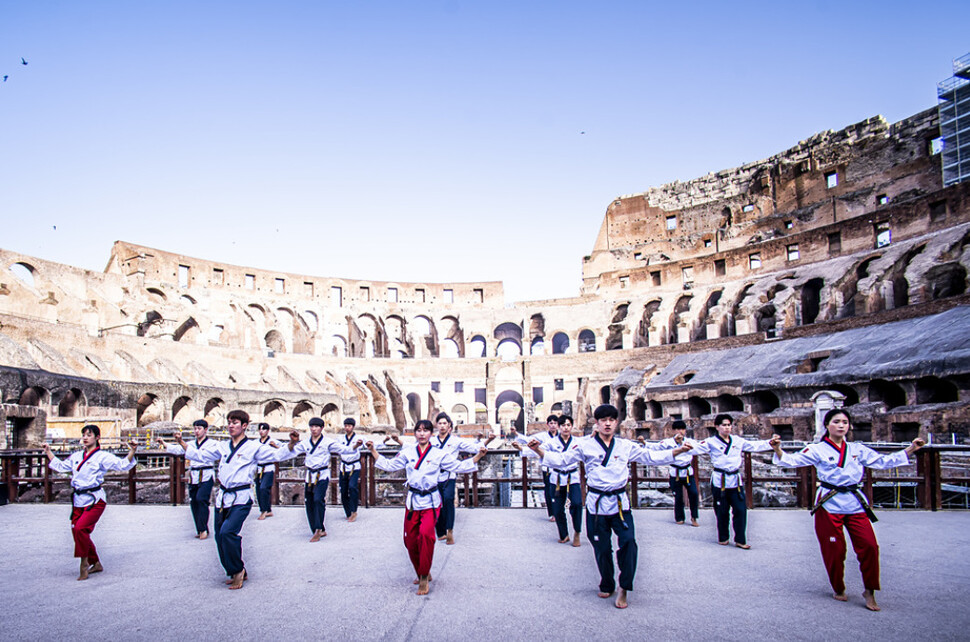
(506, 579)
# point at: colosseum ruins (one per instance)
(837, 266)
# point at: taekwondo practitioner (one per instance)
(201, 476)
(453, 444)
(87, 468)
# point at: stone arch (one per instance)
(183, 411)
(639, 409)
(156, 296)
(506, 334)
(936, 390)
(946, 280)
(188, 330)
(766, 320)
(606, 394)
(763, 402)
(395, 328)
(424, 336)
(514, 413)
(35, 396)
(274, 414)
(215, 412)
(656, 409)
(614, 338)
(646, 319)
(72, 404)
(586, 341)
(538, 347)
(508, 348)
(700, 332)
(152, 318)
(274, 341)
(478, 346)
(452, 331)
(736, 308)
(560, 343)
(375, 339)
(678, 314)
(24, 272)
(459, 413)
(698, 407)
(311, 320)
(729, 403)
(302, 412)
(185, 299)
(621, 402)
(888, 392)
(331, 416)
(850, 393)
(339, 346)
(450, 349)
(148, 409)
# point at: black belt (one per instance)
(191, 468)
(686, 467)
(565, 472)
(724, 473)
(616, 492)
(86, 491)
(233, 489)
(421, 492)
(852, 489)
(317, 470)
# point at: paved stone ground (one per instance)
(505, 579)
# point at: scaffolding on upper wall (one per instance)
(954, 106)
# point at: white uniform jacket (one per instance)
(607, 469)
(726, 457)
(237, 467)
(423, 472)
(198, 473)
(88, 473)
(350, 463)
(262, 469)
(317, 457)
(453, 444)
(840, 467)
(561, 476)
(682, 468)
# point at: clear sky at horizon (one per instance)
(418, 141)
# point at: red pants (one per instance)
(419, 538)
(831, 539)
(83, 521)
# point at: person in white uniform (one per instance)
(449, 442)
(201, 476)
(87, 468)
(840, 503)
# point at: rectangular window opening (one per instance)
(449, 296)
(308, 289)
(419, 295)
(720, 268)
(279, 286)
(748, 208)
(364, 293)
(655, 277)
(792, 251)
(436, 386)
(218, 277)
(831, 180)
(937, 210)
(936, 145)
(882, 199)
(789, 224)
(183, 276)
(392, 295)
(884, 235)
(835, 243)
(479, 295)
(558, 384)
(754, 261)
(459, 386)
(671, 222)
(537, 394)
(250, 281)
(708, 243)
(336, 296)
(624, 282)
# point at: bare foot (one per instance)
(441, 538)
(564, 540)
(680, 522)
(552, 518)
(870, 600)
(95, 568)
(197, 535)
(261, 517)
(269, 514)
(723, 543)
(576, 540)
(743, 546)
(316, 536)
(204, 535)
(449, 538)
(323, 533)
(621, 599)
(83, 574)
(418, 579)
(841, 597)
(237, 580)
(693, 522)
(423, 585)
(353, 517)
(604, 594)
(245, 577)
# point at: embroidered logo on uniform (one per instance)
(804, 450)
(832, 539)
(596, 538)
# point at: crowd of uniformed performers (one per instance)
(432, 463)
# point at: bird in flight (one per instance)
(5, 78)
(22, 61)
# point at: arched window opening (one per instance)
(560, 343)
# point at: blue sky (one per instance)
(418, 141)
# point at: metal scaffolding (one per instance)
(954, 106)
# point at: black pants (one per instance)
(677, 484)
(228, 523)
(264, 491)
(446, 518)
(599, 530)
(725, 502)
(315, 501)
(547, 491)
(575, 494)
(199, 495)
(350, 491)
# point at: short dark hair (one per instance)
(562, 419)
(424, 424)
(722, 417)
(316, 421)
(262, 426)
(201, 422)
(606, 411)
(94, 429)
(552, 418)
(679, 424)
(351, 421)
(239, 415)
(444, 415)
